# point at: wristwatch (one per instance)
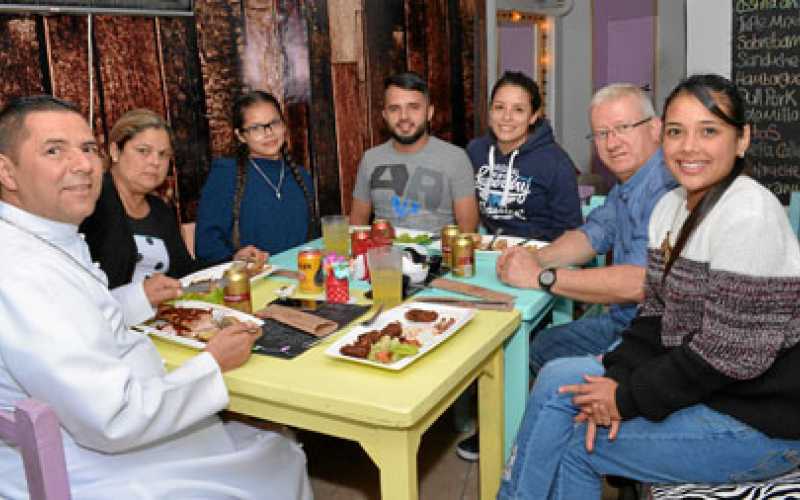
(547, 278)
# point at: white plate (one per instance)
(196, 304)
(510, 240)
(216, 272)
(426, 336)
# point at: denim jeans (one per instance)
(592, 335)
(695, 444)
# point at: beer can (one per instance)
(449, 235)
(382, 232)
(236, 293)
(309, 263)
(464, 257)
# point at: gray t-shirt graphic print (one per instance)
(417, 190)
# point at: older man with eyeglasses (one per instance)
(627, 136)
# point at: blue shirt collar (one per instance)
(643, 173)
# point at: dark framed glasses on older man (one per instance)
(260, 129)
(620, 130)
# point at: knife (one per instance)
(498, 305)
(287, 273)
(204, 286)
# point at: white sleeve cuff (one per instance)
(205, 367)
(135, 306)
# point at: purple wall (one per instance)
(517, 48)
(623, 36)
(623, 33)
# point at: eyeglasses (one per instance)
(260, 129)
(618, 130)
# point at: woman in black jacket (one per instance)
(132, 233)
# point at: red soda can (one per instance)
(382, 232)
(360, 242)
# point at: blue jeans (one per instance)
(696, 444)
(592, 335)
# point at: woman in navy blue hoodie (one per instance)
(526, 184)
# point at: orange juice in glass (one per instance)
(386, 275)
(336, 234)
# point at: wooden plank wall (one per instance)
(324, 59)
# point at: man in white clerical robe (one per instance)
(130, 430)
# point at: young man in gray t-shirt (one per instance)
(414, 180)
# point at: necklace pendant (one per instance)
(666, 248)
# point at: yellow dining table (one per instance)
(385, 411)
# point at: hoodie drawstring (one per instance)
(507, 186)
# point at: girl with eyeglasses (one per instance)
(705, 386)
(259, 196)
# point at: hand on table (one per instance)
(159, 288)
(252, 255)
(518, 267)
(597, 403)
(232, 345)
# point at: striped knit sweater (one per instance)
(724, 328)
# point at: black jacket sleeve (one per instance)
(109, 236)
(674, 380)
(653, 380)
(641, 342)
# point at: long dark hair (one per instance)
(705, 88)
(242, 154)
(526, 83)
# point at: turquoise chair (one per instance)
(794, 212)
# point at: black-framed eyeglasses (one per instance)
(618, 130)
(260, 129)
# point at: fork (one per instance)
(497, 233)
(371, 319)
(524, 242)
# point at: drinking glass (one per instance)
(336, 234)
(386, 275)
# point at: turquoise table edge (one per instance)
(533, 306)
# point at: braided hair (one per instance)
(714, 92)
(242, 154)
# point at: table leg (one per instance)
(517, 375)
(395, 454)
(490, 419)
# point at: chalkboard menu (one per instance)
(766, 67)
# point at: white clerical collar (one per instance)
(50, 229)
